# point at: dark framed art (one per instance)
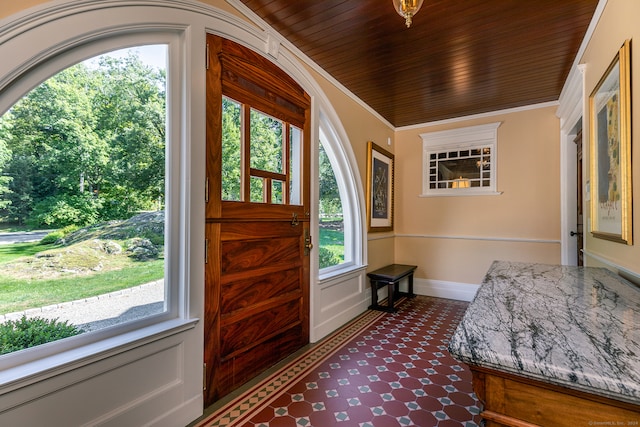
(380, 165)
(610, 128)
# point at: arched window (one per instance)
(340, 228)
(83, 156)
(91, 151)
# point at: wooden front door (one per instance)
(257, 230)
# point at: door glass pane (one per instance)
(295, 160)
(257, 189)
(266, 143)
(231, 149)
(276, 192)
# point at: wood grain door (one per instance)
(257, 231)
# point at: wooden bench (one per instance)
(390, 276)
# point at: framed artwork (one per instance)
(610, 128)
(379, 188)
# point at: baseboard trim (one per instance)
(443, 289)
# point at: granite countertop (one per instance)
(577, 327)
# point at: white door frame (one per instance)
(571, 113)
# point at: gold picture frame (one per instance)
(380, 171)
(610, 147)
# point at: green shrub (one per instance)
(69, 229)
(52, 237)
(24, 333)
(63, 210)
(327, 258)
(55, 236)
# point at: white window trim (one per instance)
(461, 139)
(44, 361)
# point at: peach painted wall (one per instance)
(620, 20)
(9, 7)
(455, 239)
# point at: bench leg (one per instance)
(374, 295)
(411, 294)
(391, 290)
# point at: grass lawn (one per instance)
(333, 240)
(16, 250)
(18, 294)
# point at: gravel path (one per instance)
(104, 310)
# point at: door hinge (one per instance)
(206, 251)
(206, 55)
(206, 190)
(204, 376)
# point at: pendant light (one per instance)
(407, 8)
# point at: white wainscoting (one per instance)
(337, 301)
(105, 395)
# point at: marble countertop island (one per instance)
(569, 326)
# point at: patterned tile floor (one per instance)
(397, 372)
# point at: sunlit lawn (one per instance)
(18, 294)
(12, 251)
(333, 240)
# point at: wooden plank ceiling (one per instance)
(458, 58)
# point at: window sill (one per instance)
(38, 370)
(463, 193)
(339, 271)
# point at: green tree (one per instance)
(130, 109)
(267, 152)
(231, 150)
(330, 202)
(5, 178)
(86, 145)
(53, 141)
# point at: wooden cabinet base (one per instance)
(514, 401)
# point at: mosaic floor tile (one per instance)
(394, 372)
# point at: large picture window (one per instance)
(83, 158)
(90, 171)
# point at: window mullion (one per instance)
(286, 155)
(246, 153)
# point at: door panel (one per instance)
(240, 333)
(257, 270)
(242, 293)
(244, 256)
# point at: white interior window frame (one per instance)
(461, 139)
(50, 359)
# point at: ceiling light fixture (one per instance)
(407, 8)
